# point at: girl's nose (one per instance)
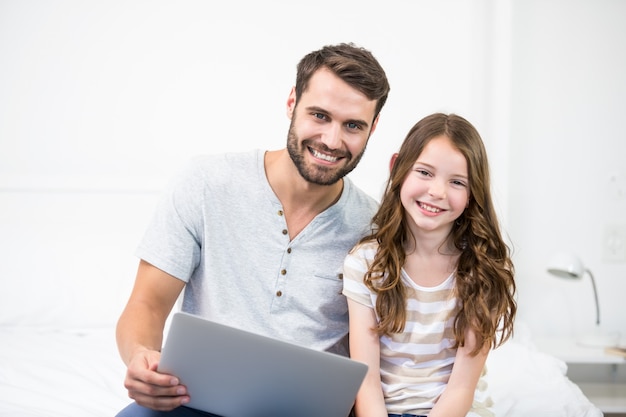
(437, 189)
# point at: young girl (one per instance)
(431, 290)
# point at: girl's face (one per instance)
(436, 191)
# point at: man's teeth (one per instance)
(429, 208)
(323, 156)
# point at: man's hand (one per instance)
(150, 388)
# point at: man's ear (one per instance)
(291, 102)
(392, 161)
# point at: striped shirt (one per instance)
(415, 365)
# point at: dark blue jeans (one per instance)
(135, 410)
(405, 415)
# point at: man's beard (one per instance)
(318, 174)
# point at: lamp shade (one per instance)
(566, 265)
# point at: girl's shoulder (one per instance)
(365, 249)
(361, 256)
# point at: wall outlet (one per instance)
(617, 186)
(614, 243)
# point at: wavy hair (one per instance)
(485, 282)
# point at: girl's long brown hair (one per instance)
(484, 275)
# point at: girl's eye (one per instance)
(423, 172)
(459, 183)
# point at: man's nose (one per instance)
(332, 136)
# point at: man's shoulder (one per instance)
(214, 170)
(209, 160)
(356, 196)
(229, 164)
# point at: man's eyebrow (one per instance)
(359, 122)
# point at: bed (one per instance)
(66, 272)
(54, 372)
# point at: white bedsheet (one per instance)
(60, 373)
(78, 373)
(527, 383)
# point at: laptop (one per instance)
(235, 373)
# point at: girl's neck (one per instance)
(430, 261)
(431, 243)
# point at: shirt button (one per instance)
(279, 293)
(288, 250)
(285, 231)
(283, 272)
(280, 212)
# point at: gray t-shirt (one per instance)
(220, 228)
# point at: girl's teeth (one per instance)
(430, 209)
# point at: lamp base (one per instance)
(598, 339)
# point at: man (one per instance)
(257, 239)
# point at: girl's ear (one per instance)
(392, 161)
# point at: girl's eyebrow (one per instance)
(425, 164)
(432, 167)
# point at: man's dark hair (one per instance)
(354, 65)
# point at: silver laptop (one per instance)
(234, 373)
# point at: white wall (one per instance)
(116, 93)
(101, 101)
(567, 168)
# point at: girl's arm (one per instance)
(364, 347)
(458, 396)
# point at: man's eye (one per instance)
(319, 116)
(352, 125)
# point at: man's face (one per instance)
(329, 129)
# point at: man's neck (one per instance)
(301, 200)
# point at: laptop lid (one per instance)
(235, 373)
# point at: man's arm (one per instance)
(140, 336)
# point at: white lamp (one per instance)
(568, 265)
